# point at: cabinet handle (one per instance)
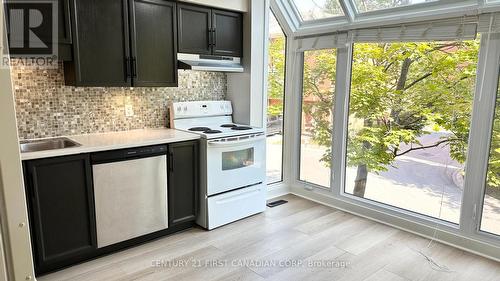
(127, 66)
(210, 37)
(214, 36)
(171, 161)
(134, 68)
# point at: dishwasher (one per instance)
(130, 193)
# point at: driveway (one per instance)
(426, 181)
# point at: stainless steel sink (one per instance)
(47, 144)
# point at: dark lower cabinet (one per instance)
(60, 197)
(61, 210)
(183, 182)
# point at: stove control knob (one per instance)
(179, 108)
(185, 108)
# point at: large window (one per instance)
(490, 221)
(409, 114)
(276, 91)
(317, 114)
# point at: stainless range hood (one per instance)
(209, 63)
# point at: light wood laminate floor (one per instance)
(301, 240)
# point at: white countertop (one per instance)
(115, 140)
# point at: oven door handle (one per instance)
(237, 142)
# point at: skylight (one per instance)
(373, 5)
(318, 9)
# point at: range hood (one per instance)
(209, 63)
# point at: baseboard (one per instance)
(277, 190)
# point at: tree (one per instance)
(318, 85)
(398, 92)
(370, 5)
(276, 73)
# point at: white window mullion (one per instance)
(342, 88)
(293, 92)
(349, 9)
(480, 133)
(288, 24)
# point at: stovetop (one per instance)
(210, 119)
(222, 130)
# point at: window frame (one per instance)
(477, 155)
(342, 186)
(341, 152)
(480, 135)
(401, 8)
(272, 13)
(299, 143)
(353, 20)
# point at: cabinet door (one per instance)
(64, 30)
(194, 25)
(61, 210)
(228, 33)
(154, 47)
(183, 182)
(100, 44)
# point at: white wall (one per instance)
(247, 90)
(236, 5)
(14, 220)
(3, 264)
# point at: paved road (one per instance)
(425, 181)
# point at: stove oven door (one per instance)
(235, 162)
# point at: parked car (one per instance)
(274, 125)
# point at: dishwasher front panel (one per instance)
(130, 198)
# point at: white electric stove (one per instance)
(233, 161)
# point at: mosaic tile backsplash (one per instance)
(45, 107)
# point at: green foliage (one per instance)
(276, 76)
(318, 88)
(402, 89)
(333, 7)
(399, 92)
(370, 5)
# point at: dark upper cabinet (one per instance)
(101, 54)
(154, 43)
(208, 31)
(123, 43)
(183, 182)
(227, 28)
(194, 25)
(61, 210)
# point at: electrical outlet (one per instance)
(129, 110)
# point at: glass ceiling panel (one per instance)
(318, 9)
(373, 5)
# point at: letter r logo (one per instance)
(31, 27)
